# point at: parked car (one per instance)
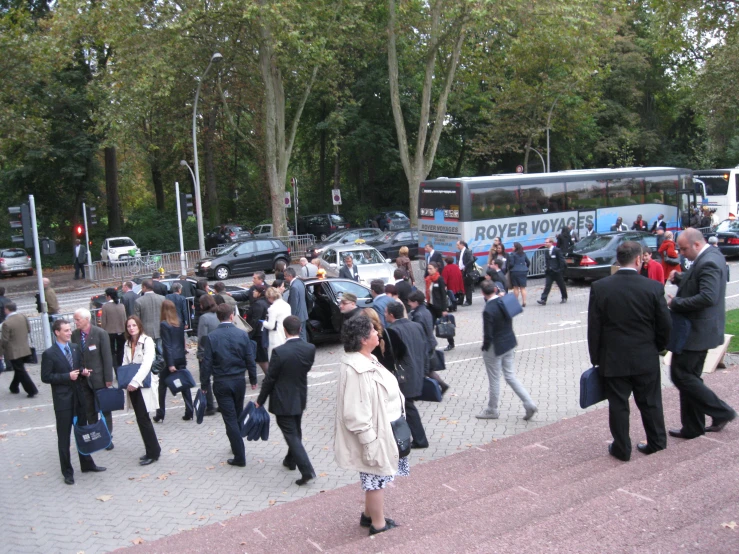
(321, 225)
(118, 249)
(369, 262)
(15, 260)
(265, 231)
(325, 319)
(390, 243)
(593, 256)
(226, 234)
(339, 238)
(727, 233)
(392, 220)
(243, 257)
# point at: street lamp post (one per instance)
(217, 57)
(540, 157)
(549, 119)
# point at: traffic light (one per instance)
(20, 220)
(92, 217)
(79, 230)
(186, 206)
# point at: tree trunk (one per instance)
(460, 159)
(111, 191)
(211, 190)
(156, 179)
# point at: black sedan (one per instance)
(727, 233)
(325, 319)
(593, 256)
(391, 242)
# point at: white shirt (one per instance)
(77, 250)
(461, 257)
(705, 247)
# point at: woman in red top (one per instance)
(453, 278)
(668, 251)
(651, 268)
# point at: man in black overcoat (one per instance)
(554, 273)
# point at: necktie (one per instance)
(68, 355)
(83, 338)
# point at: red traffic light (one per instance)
(80, 230)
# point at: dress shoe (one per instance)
(218, 409)
(487, 415)
(542, 302)
(18, 392)
(210, 412)
(111, 446)
(96, 469)
(678, 434)
(610, 451)
(158, 419)
(563, 301)
(530, 413)
(288, 465)
(69, 480)
(465, 304)
(233, 462)
(31, 394)
(147, 461)
(366, 521)
(186, 417)
(387, 527)
(415, 444)
(304, 479)
(718, 424)
(449, 348)
(144, 457)
(444, 387)
(645, 449)
(523, 305)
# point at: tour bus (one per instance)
(528, 208)
(720, 187)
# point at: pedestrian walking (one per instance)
(148, 309)
(229, 353)
(3, 300)
(454, 282)
(519, 272)
(432, 255)
(15, 347)
(403, 262)
(420, 314)
(650, 268)
(701, 298)
(80, 259)
(257, 317)
(498, 344)
(380, 300)
(437, 298)
(628, 326)
(207, 323)
(307, 269)
(52, 303)
(172, 333)
(157, 286)
(276, 314)
(554, 272)
(113, 321)
(348, 306)
(466, 263)
(402, 286)
(286, 385)
(670, 256)
(220, 290)
(297, 301)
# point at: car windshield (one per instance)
(121, 243)
(333, 237)
(362, 257)
(15, 253)
(728, 226)
(593, 243)
(336, 218)
(340, 287)
(230, 248)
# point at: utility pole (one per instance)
(42, 296)
(183, 263)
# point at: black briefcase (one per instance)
(592, 388)
(110, 399)
(198, 406)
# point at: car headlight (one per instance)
(205, 264)
(318, 250)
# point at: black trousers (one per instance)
(64, 419)
(436, 314)
(230, 395)
(146, 427)
(290, 425)
(647, 391)
(21, 377)
(91, 411)
(117, 342)
(696, 399)
(469, 288)
(186, 396)
(418, 434)
(78, 268)
(554, 277)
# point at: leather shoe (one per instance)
(31, 394)
(645, 449)
(678, 434)
(718, 425)
(444, 387)
(143, 457)
(69, 480)
(186, 417)
(147, 461)
(366, 521)
(289, 466)
(18, 392)
(610, 451)
(110, 447)
(210, 412)
(233, 462)
(387, 527)
(542, 302)
(158, 419)
(304, 479)
(414, 444)
(449, 348)
(563, 301)
(96, 469)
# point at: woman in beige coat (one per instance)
(140, 349)
(368, 400)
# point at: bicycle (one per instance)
(145, 264)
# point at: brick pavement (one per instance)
(192, 485)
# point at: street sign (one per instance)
(336, 196)
(287, 200)
(519, 169)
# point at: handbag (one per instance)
(672, 261)
(198, 406)
(402, 435)
(438, 363)
(179, 380)
(110, 399)
(158, 365)
(398, 370)
(445, 329)
(32, 358)
(126, 373)
(93, 437)
(510, 306)
(431, 391)
(592, 388)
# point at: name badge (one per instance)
(92, 347)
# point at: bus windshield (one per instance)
(434, 199)
(716, 185)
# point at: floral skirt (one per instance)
(372, 482)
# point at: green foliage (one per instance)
(151, 230)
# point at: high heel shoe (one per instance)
(158, 419)
(523, 305)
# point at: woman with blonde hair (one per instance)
(404, 262)
(670, 255)
(277, 312)
(382, 351)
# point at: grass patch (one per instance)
(732, 328)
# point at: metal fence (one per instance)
(298, 244)
(538, 263)
(37, 330)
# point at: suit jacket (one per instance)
(159, 288)
(55, 371)
(296, 299)
(3, 300)
(228, 353)
(347, 273)
(468, 259)
(52, 304)
(149, 309)
(113, 318)
(628, 324)
(403, 288)
(379, 303)
(180, 303)
(286, 380)
(639, 225)
(188, 289)
(81, 258)
(701, 297)
(435, 257)
(423, 316)
(129, 302)
(15, 336)
(96, 356)
(555, 261)
(408, 341)
(497, 328)
(173, 345)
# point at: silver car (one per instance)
(15, 260)
(369, 262)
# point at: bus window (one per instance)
(660, 190)
(625, 192)
(545, 198)
(494, 202)
(434, 199)
(716, 185)
(586, 195)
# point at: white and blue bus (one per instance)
(528, 208)
(721, 189)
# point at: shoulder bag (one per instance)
(445, 329)
(158, 365)
(402, 434)
(398, 370)
(91, 438)
(110, 399)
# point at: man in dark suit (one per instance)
(659, 224)
(180, 304)
(228, 353)
(466, 263)
(700, 298)
(94, 343)
(188, 288)
(286, 385)
(349, 270)
(129, 298)
(80, 259)
(628, 326)
(158, 288)
(555, 269)
(432, 256)
(403, 286)
(297, 301)
(149, 308)
(62, 368)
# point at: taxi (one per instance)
(369, 262)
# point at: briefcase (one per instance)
(438, 363)
(110, 399)
(445, 328)
(91, 438)
(126, 373)
(198, 406)
(246, 421)
(179, 380)
(681, 327)
(260, 427)
(592, 388)
(431, 390)
(510, 305)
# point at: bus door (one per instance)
(686, 205)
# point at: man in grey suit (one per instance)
(296, 299)
(700, 298)
(149, 309)
(15, 349)
(129, 298)
(80, 258)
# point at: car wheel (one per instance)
(222, 273)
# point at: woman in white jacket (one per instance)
(276, 313)
(140, 349)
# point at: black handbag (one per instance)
(402, 434)
(110, 399)
(93, 437)
(438, 363)
(398, 370)
(158, 365)
(445, 329)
